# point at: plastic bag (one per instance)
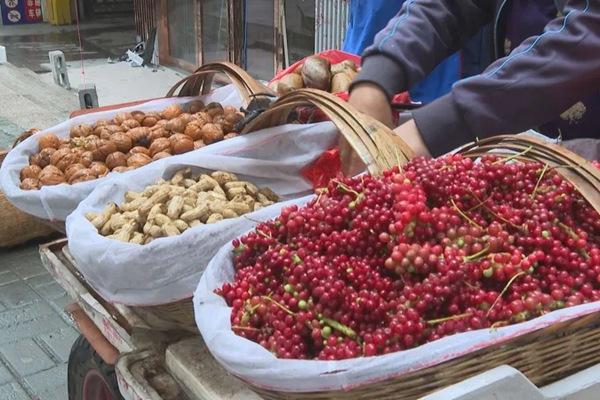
(168, 269)
(259, 367)
(56, 202)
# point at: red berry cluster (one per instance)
(375, 265)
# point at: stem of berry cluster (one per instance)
(278, 304)
(539, 180)
(450, 318)
(504, 290)
(465, 216)
(512, 157)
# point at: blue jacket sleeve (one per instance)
(541, 78)
(421, 36)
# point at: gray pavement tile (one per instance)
(50, 384)
(13, 391)
(39, 280)
(32, 328)
(50, 291)
(18, 294)
(25, 314)
(62, 302)
(60, 342)
(26, 357)
(29, 266)
(5, 375)
(7, 277)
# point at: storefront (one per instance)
(260, 35)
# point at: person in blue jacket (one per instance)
(368, 17)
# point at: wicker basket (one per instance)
(545, 355)
(18, 227)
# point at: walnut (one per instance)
(159, 145)
(63, 158)
(139, 116)
(226, 126)
(106, 147)
(122, 117)
(139, 135)
(51, 175)
(234, 118)
(138, 160)
(31, 171)
(157, 133)
(193, 130)
(105, 132)
(43, 157)
(150, 120)
(231, 135)
(86, 158)
(123, 142)
(129, 124)
(161, 155)
(49, 141)
(102, 122)
(122, 169)
(173, 111)
(186, 118)
(214, 109)
(195, 106)
(116, 159)
(30, 184)
(181, 143)
(140, 150)
(212, 133)
(229, 110)
(82, 175)
(72, 169)
(80, 131)
(203, 118)
(176, 125)
(99, 168)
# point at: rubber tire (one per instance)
(83, 358)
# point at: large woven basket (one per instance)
(18, 227)
(545, 355)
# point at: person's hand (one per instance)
(410, 134)
(371, 100)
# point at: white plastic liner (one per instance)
(54, 203)
(168, 269)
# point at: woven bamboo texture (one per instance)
(545, 355)
(201, 82)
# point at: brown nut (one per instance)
(212, 133)
(123, 142)
(193, 131)
(186, 118)
(229, 110)
(30, 184)
(175, 125)
(80, 131)
(43, 157)
(139, 135)
(173, 111)
(226, 126)
(198, 144)
(102, 122)
(150, 120)
(71, 170)
(231, 135)
(181, 143)
(122, 117)
(157, 133)
(106, 147)
(195, 106)
(139, 150)
(51, 175)
(139, 116)
(99, 168)
(31, 171)
(49, 141)
(63, 158)
(86, 158)
(214, 109)
(234, 118)
(116, 159)
(161, 155)
(82, 175)
(138, 160)
(158, 145)
(129, 124)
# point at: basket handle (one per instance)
(375, 144)
(576, 169)
(24, 136)
(200, 82)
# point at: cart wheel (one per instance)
(89, 377)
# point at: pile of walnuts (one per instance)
(128, 141)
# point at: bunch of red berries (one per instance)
(375, 265)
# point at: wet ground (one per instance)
(28, 46)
